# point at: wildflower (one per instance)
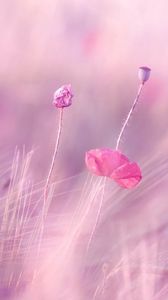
(143, 74)
(112, 163)
(115, 165)
(63, 96)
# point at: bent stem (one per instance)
(54, 155)
(129, 115)
(46, 188)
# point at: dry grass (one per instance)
(96, 241)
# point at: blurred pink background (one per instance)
(97, 46)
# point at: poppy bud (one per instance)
(143, 74)
(63, 96)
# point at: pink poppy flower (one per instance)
(115, 165)
(63, 96)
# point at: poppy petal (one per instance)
(128, 175)
(103, 162)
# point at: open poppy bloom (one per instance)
(115, 165)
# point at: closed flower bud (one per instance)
(143, 74)
(63, 96)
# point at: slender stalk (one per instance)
(129, 115)
(54, 155)
(40, 226)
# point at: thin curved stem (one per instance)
(40, 222)
(129, 115)
(54, 154)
